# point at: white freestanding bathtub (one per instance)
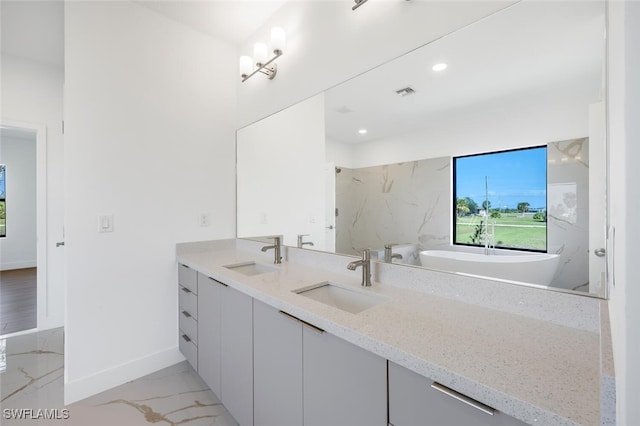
(537, 268)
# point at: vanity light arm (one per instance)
(266, 68)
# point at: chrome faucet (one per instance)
(388, 253)
(365, 262)
(276, 246)
(301, 243)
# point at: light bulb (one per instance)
(278, 40)
(259, 54)
(246, 65)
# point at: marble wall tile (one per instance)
(406, 203)
(568, 211)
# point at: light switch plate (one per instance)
(105, 223)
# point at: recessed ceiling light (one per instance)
(439, 67)
(362, 131)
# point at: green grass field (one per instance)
(511, 230)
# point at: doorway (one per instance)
(23, 227)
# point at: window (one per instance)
(500, 199)
(3, 210)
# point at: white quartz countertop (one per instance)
(533, 370)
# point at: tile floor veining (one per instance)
(33, 380)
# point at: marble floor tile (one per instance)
(33, 379)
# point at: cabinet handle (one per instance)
(306, 324)
(290, 316)
(186, 290)
(186, 338)
(312, 327)
(463, 398)
(218, 282)
(186, 314)
(185, 266)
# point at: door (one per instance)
(597, 197)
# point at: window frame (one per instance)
(454, 216)
(3, 196)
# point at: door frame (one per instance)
(41, 214)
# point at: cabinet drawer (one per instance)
(188, 278)
(188, 349)
(413, 401)
(188, 301)
(189, 325)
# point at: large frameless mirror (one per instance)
(482, 152)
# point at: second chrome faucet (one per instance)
(276, 250)
(365, 263)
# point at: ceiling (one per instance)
(552, 49)
(233, 21)
(35, 29)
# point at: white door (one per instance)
(330, 207)
(597, 196)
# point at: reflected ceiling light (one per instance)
(261, 61)
(362, 131)
(439, 67)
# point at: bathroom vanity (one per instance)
(420, 351)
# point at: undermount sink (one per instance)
(342, 298)
(251, 268)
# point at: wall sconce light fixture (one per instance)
(261, 61)
(358, 4)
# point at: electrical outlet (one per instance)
(204, 219)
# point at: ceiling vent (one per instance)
(405, 91)
(344, 110)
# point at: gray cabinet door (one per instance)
(343, 385)
(209, 325)
(237, 355)
(277, 367)
(413, 402)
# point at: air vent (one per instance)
(405, 91)
(344, 110)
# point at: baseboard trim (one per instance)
(18, 265)
(79, 389)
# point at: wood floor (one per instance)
(18, 296)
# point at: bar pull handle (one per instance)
(218, 282)
(186, 338)
(60, 244)
(186, 314)
(463, 398)
(304, 323)
(186, 290)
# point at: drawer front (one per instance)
(188, 301)
(189, 325)
(188, 278)
(188, 349)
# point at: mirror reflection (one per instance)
(383, 161)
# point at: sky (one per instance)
(513, 177)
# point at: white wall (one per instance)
(150, 139)
(18, 248)
(281, 162)
(328, 43)
(32, 94)
(624, 196)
